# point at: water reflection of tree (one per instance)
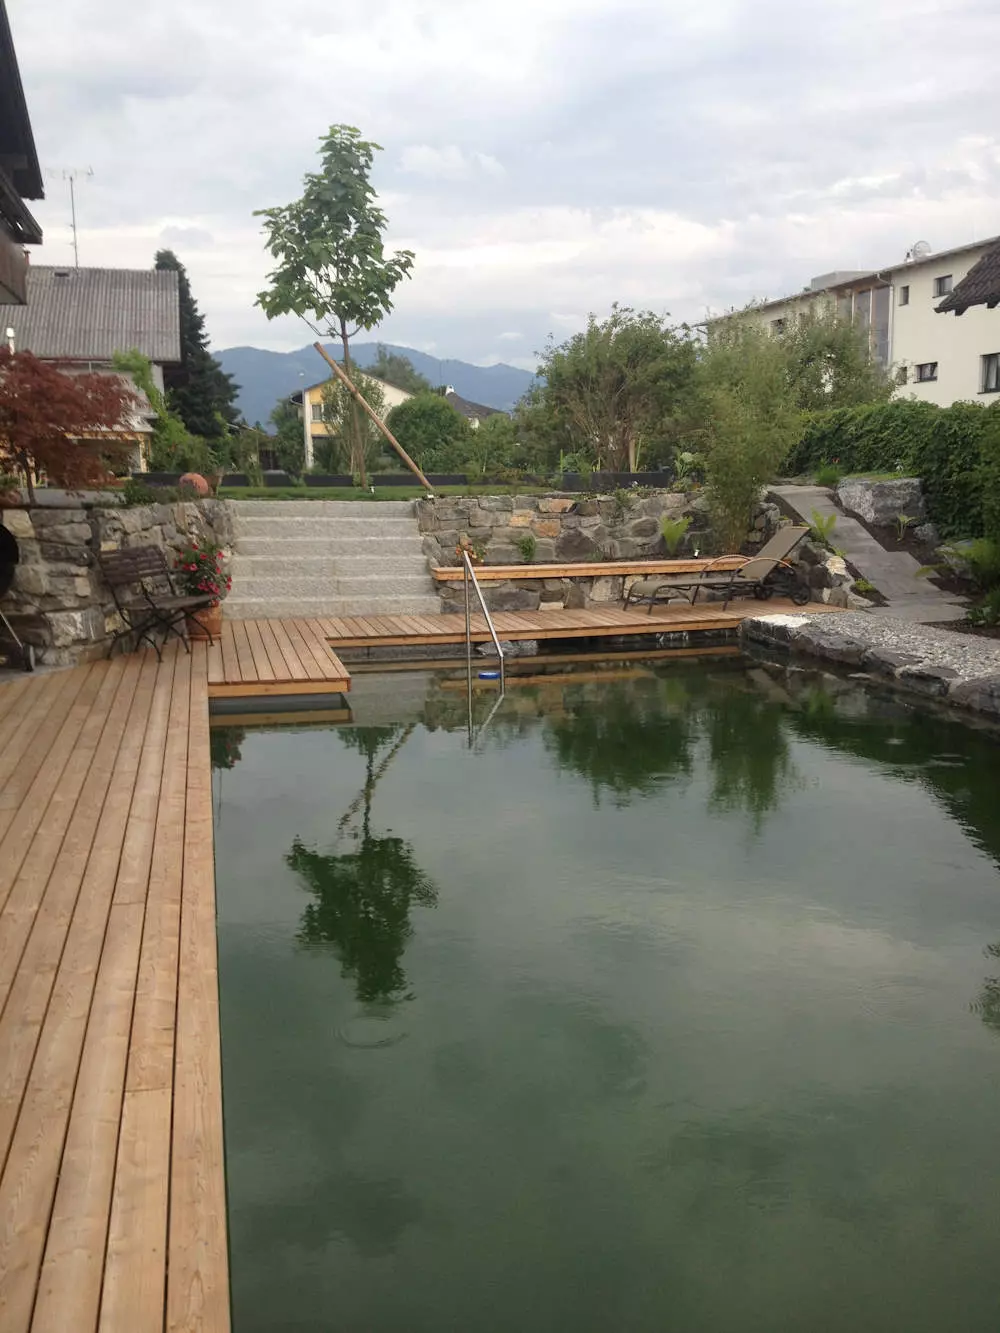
(363, 897)
(224, 746)
(624, 738)
(748, 751)
(987, 1006)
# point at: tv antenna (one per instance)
(918, 250)
(72, 175)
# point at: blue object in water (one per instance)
(489, 675)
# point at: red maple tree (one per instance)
(71, 426)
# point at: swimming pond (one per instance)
(672, 1001)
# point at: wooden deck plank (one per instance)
(58, 782)
(28, 749)
(296, 671)
(11, 691)
(261, 661)
(230, 659)
(241, 643)
(16, 719)
(216, 666)
(314, 665)
(197, 1281)
(283, 665)
(31, 1171)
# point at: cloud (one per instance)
(449, 164)
(541, 160)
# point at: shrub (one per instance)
(821, 528)
(827, 475)
(527, 546)
(986, 612)
(672, 530)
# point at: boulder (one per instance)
(879, 502)
(574, 544)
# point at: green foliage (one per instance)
(987, 612)
(821, 526)
(493, 448)
(689, 470)
(398, 370)
(200, 569)
(135, 492)
(198, 390)
(287, 443)
(827, 475)
(954, 450)
(902, 522)
(527, 546)
(172, 447)
(618, 392)
(830, 364)
(344, 449)
(862, 586)
(673, 530)
(432, 432)
(983, 560)
(751, 422)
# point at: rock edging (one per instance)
(954, 669)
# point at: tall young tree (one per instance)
(198, 390)
(331, 263)
(830, 363)
(70, 426)
(394, 368)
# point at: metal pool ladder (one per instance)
(472, 582)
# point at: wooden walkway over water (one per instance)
(112, 1187)
(261, 658)
(594, 622)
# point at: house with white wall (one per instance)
(937, 360)
(312, 409)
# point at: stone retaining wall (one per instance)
(59, 602)
(960, 670)
(566, 529)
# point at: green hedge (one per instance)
(954, 450)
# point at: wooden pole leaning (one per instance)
(338, 371)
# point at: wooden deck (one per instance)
(112, 1187)
(395, 631)
(260, 658)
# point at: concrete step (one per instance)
(368, 510)
(284, 586)
(333, 564)
(297, 548)
(290, 608)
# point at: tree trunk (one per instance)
(354, 419)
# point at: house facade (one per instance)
(316, 429)
(937, 360)
(20, 177)
(78, 318)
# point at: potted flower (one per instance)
(200, 571)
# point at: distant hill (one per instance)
(264, 377)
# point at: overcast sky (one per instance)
(542, 157)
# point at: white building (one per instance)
(311, 407)
(935, 356)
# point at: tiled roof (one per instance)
(980, 286)
(472, 411)
(88, 314)
(16, 141)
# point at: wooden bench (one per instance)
(595, 569)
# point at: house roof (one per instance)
(858, 277)
(88, 314)
(17, 145)
(296, 397)
(980, 286)
(473, 411)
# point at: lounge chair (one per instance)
(761, 576)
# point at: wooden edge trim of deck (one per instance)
(592, 569)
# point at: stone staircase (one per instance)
(328, 558)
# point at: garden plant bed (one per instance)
(925, 553)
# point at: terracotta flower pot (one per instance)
(208, 624)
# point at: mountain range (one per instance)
(264, 376)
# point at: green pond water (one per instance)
(673, 1003)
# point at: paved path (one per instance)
(893, 573)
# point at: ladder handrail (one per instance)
(470, 574)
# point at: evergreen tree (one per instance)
(198, 389)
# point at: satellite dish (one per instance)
(921, 249)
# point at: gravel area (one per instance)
(953, 668)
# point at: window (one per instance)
(777, 326)
(927, 371)
(942, 286)
(991, 373)
(904, 295)
(317, 411)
